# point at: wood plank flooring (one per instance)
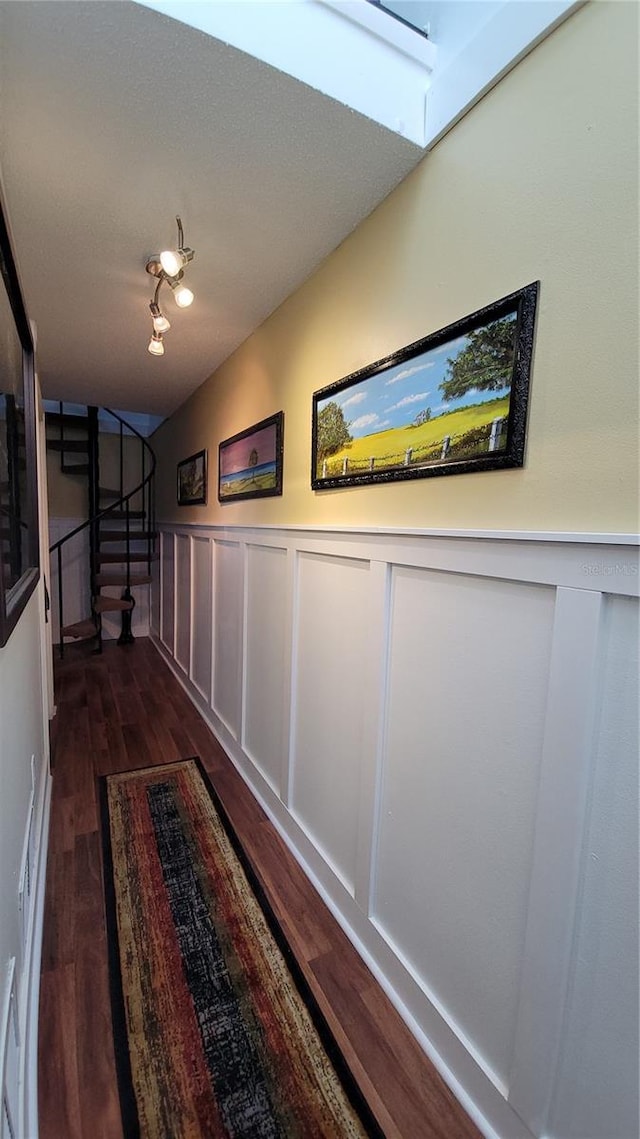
(123, 710)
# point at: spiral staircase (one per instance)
(120, 521)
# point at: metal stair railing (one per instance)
(146, 490)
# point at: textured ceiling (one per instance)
(114, 120)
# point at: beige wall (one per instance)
(539, 181)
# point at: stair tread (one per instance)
(121, 579)
(75, 445)
(118, 515)
(81, 630)
(134, 535)
(109, 492)
(75, 468)
(54, 418)
(121, 556)
(111, 604)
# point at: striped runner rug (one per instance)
(216, 1031)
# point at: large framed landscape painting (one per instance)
(452, 403)
(250, 463)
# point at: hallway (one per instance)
(125, 710)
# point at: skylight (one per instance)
(407, 11)
(368, 54)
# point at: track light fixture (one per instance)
(168, 266)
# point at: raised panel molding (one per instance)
(183, 602)
(228, 634)
(331, 701)
(201, 615)
(266, 628)
(468, 669)
(405, 705)
(155, 608)
(603, 991)
(168, 592)
(558, 852)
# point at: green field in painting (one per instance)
(388, 448)
(248, 485)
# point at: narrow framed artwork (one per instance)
(250, 463)
(452, 403)
(192, 480)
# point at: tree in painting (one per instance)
(252, 463)
(485, 364)
(333, 431)
(422, 417)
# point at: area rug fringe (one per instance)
(216, 1031)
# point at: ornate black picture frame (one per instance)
(19, 537)
(451, 403)
(192, 480)
(250, 463)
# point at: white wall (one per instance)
(444, 728)
(24, 798)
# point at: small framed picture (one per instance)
(192, 480)
(452, 403)
(250, 463)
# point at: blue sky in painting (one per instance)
(394, 397)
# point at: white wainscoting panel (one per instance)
(468, 672)
(444, 729)
(168, 630)
(20, 977)
(228, 609)
(593, 1083)
(265, 665)
(183, 601)
(201, 622)
(155, 594)
(9, 1055)
(330, 704)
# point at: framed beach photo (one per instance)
(192, 480)
(452, 403)
(250, 463)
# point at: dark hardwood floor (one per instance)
(123, 710)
